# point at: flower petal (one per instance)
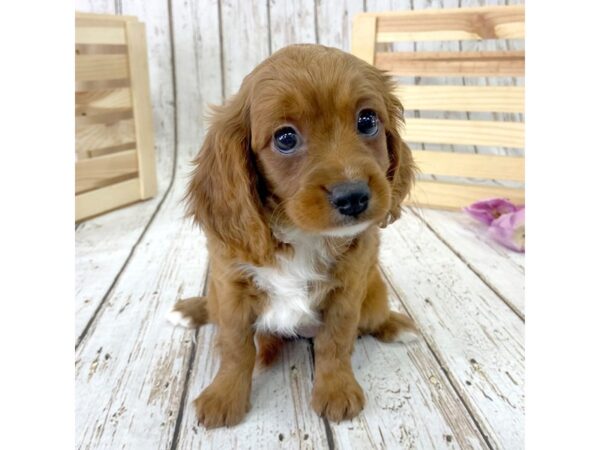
(487, 211)
(509, 230)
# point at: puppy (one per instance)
(297, 173)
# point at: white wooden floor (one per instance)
(462, 387)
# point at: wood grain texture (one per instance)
(198, 75)
(100, 35)
(96, 172)
(100, 67)
(462, 98)
(499, 267)
(291, 23)
(445, 195)
(489, 64)
(130, 367)
(470, 165)
(410, 403)
(474, 334)
(477, 132)
(334, 22)
(97, 136)
(490, 22)
(92, 203)
(245, 40)
(140, 99)
(280, 416)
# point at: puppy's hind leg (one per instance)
(378, 320)
(189, 313)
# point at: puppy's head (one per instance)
(310, 141)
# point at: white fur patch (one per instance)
(290, 310)
(407, 336)
(351, 230)
(178, 319)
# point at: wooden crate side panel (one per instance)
(98, 172)
(455, 196)
(470, 165)
(104, 199)
(140, 90)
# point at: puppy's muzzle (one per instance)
(350, 198)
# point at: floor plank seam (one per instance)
(188, 376)
(470, 266)
(326, 424)
(102, 303)
(442, 368)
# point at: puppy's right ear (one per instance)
(223, 194)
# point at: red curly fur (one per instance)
(243, 193)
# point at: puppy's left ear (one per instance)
(401, 172)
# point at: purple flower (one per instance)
(487, 211)
(509, 230)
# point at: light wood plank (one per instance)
(100, 85)
(245, 40)
(492, 64)
(198, 74)
(462, 98)
(114, 98)
(90, 115)
(280, 416)
(97, 172)
(437, 194)
(410, 403)
(470, 165)
(501, 268)
(131, 366)
(100, 67)
(291, 23)
(334, 22)
(110, 197)
(140, 93)
(490, 22)
(465, 132)
(100, 35)
(97, 136)
(100, 49)
(363, 37)
(476, 337)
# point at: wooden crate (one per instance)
(494, 22)
(114, 142)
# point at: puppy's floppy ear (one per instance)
(223, 195)
(401, 172)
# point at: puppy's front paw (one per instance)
(338, 399)
(219, 405)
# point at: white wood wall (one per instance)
(200, 50)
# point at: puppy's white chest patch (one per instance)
(289, 288)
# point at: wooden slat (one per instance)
(89, 116)
(100, 67)
(100, 35)
(97, 172)
(462, 98)
(441, 195)
(97, 136)
(100, 85)
(85, 18)
(140, 96)
(465, 132)
(104, 199)
(363, 37)
(470, 165)
(112, 98)
(100, 49)
(452, 24)
(489, 63)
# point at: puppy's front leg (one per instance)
(227, 400)
(336, 393)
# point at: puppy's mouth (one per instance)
(347, 230)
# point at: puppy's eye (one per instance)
(367, 123)
(286, 140)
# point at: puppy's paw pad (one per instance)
(177, 319)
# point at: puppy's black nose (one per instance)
(350, 198)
